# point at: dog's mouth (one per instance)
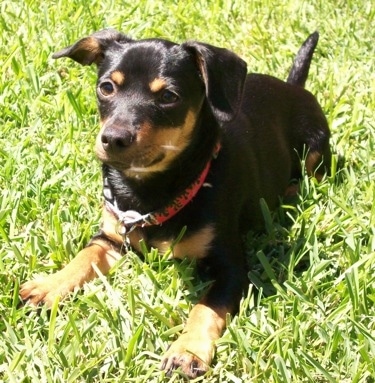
(149, 151)
(142, 164)
(136, 161)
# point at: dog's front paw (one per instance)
(43, 290)
(190, 354)
(71, 277)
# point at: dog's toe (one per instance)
(43, 290)
(188, 364)
(33, 292)
(192, 356)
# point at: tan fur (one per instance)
(72, 276)
(157, 85)
(152, 143)
(91, 44)
(109, 226)
(196, 344)
(118, 77)
(193, 247)
(313, 161)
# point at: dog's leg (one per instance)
(74, 275)
(318, 164)
(193, 351)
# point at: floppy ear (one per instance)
(224, 74)
(91, 49)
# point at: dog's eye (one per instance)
(106, 88)
(168, 97)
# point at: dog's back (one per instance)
(280, 124)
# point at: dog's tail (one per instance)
(301, 65)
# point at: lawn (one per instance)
(310, 313)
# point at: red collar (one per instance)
(129, 220)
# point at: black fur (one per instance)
(264, 127)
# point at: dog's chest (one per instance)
(193, 245)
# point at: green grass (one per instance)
(311, 316)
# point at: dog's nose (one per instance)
(116, 139)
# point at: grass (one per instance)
(310, 315)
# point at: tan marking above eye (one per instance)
(157, 85)
(118, 77)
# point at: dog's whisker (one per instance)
(171, 147)
(138, 169)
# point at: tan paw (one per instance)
(74, 275)
(191, 355)
(44, 290)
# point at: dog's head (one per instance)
(150, 94)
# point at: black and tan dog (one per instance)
(188, 139)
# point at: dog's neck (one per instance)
(130, 219)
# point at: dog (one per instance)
(189, 139)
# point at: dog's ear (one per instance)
(224, 74)
(91, 49)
